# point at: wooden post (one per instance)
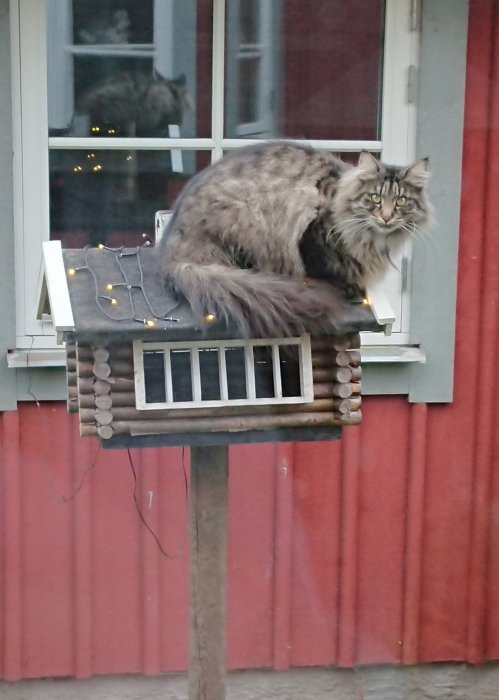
(209, 481)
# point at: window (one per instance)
(134, 98)
(223, 373)
(341, 76)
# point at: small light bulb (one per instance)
(114, 302)
(97, 168)
(109, 287)
(101, 246)
(366, 301)
(95, 129)
(90, 156)
(129, 157)
(209, 318)
(111, 131)
(150, 323)
(71, 272)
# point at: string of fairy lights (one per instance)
(91, 163)
(104, 301)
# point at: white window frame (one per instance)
(31, 147)
(262, 50)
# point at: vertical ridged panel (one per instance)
(382, 481)
(414, 533)
(117, 540)
(11, 600)
(173, 531)
(253, 519)
(316, 553)
(47, 577)
(147, 495)
(87, 458)
(485, 426)
(349, 549)
(283, 555)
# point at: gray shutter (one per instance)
(440, 136)
(7, 280)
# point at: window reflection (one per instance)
(304, 70)
(126, 68)
(111, 196)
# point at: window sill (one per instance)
(371, 354)
(36, 358)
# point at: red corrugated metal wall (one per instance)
(381, 548)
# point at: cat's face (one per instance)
(383, 199)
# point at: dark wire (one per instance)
(181, 548)
(119, 254)
(67, 499)
(151, 308)
(30, 373)
(97, 294)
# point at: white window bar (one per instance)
(249, 366)
(222, 373)
(306, 379)
(168, 375)
(276, 369)
(218, 79)
(195, 375)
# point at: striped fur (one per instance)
(274, 236)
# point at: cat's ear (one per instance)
(368, 166)
(418, 173)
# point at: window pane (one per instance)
(264, 372)
(210, 374)
(127, 68)
(236, 374)
(249, 74)
(318, 73)
(111, 196)
(181, 375)
(249, 21)
(154, 376)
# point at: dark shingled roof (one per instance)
(98, 319)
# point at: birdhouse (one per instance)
(141, 372)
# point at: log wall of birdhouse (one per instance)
(101, 389)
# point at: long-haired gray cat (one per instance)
(275, 236)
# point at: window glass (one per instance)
(310, 70)
(127, 68)
(111, 196)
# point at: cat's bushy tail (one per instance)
(263, 304)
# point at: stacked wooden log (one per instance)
(101, 388)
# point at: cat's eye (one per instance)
(400, 201)
(376, 198)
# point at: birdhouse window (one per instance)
(220, 373)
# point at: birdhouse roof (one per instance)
(115, 294)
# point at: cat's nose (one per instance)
(386, 216)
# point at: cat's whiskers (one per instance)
(417, 233)
(350, 227)
(338, 226)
